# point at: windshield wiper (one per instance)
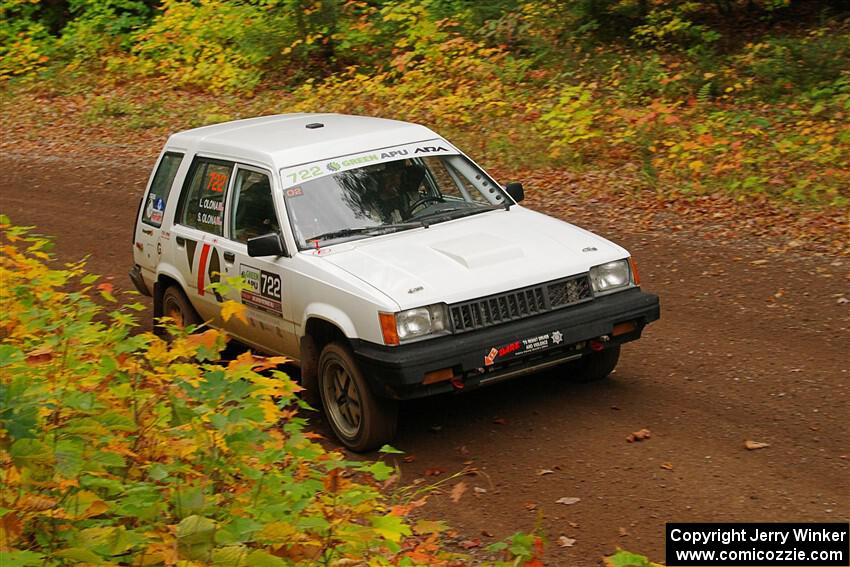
(466, 211)
(365, 230)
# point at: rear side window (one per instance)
(202, 199)
(154, 206)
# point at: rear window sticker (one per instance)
(211, 212)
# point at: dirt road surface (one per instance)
(751, 345)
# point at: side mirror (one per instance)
(515, 191)
(266, 245)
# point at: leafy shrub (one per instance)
(570, 121)
(25, 44)
(212, 43)
(119, 448)
(100, 27)
(781, 66)
(673, 27)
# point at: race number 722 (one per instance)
(270, 285)
(217, 182)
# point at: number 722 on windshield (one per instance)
(303, 174)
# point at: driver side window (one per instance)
(252, 212)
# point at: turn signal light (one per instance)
(388, 328)
(635, 274)
(623, 328)
(438, 376)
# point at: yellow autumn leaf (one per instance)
(232, 308)
(696, 165)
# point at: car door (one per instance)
(198, 233)
(252, 212)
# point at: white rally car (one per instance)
(380, 258)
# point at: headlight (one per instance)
(413, 323)
(610, 277)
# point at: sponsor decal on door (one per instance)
(264, 291)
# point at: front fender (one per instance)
(332, 315)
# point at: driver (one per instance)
(398, 190)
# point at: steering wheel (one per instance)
(423, 201)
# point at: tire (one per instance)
(361, 420)
(176, 305)
(596, 365)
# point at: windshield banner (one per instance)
(295, 175)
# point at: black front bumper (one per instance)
(480, 357)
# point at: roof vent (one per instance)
(314, 125)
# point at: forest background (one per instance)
(745, 99)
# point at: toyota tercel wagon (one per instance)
(381, 259)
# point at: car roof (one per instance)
(287, 140)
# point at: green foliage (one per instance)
(119, 448)
(538, 83)
(213, 44)
(627, 559)
(25, 43)
(782, 66)
(100, 27)
(571, 121)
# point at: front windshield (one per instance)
(385, 197)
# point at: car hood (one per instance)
(472, 257)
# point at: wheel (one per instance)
(421, 202)
(361, 420)
(596, 365)
(176, 305)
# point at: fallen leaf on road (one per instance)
(457, 492)
(531, 506)
(543, 472)
(565, 541)
(429, 527)
(667, 466)
(639, 435)
(568, 500)
(753, 445)
(41, 354)
(623, 532)
(470, 543)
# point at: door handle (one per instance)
(180, 241)
(229, 256)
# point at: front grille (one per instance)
(519, 303)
